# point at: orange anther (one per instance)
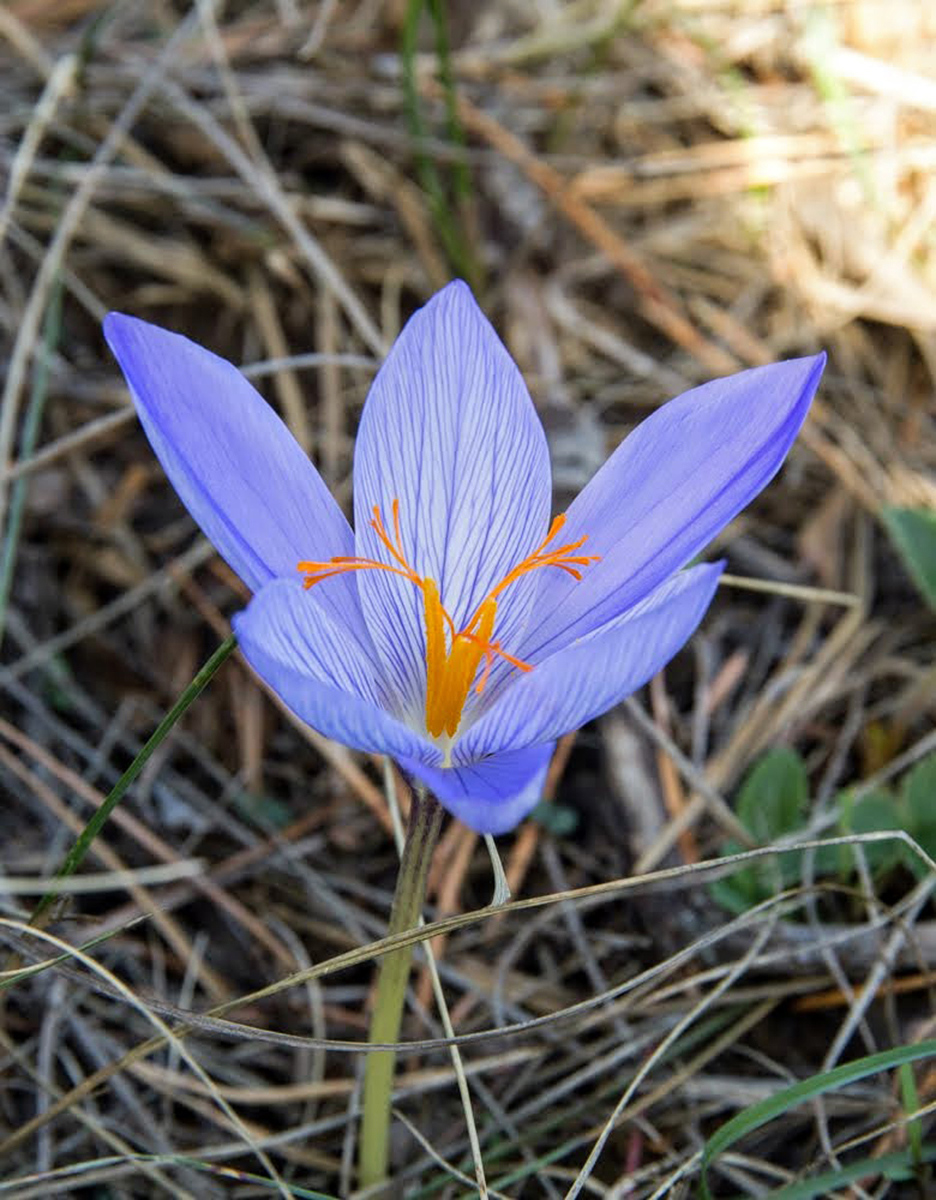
(453, 655)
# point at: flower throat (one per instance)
(454, 656)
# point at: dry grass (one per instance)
(658, 193)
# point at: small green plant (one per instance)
(773, 803)
(913, 532)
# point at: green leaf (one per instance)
(919, 798)
(772, 801)
(919, 793)
(874, 812)
(789, 1098)
(737, 893)
(913, 532)
(743, 888)
(266, 812)
(558, 819)
(832, 860)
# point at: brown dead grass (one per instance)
(659, 193)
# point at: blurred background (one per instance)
(643, 195)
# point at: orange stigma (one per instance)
(453, 656)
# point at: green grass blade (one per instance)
(76, 1170)
(911, 1102)
(461, 176)
(94, 826)
(51, 333)
(827, 1081)
(444, 213)
(235, 1173)
(898, 1166)
(498, 1146)
(10, 980)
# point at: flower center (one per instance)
(453, 656)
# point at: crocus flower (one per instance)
(457, 628)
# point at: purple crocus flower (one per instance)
(456, 628)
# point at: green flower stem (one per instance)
(425, 821)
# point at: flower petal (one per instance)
(667, 490)
(587, 678)
(237, 468)
(450, 431)
(316, 665)
(490, 796)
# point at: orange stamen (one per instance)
(452, 662)
(560, 557)
(396, 550)
(491, 651)
(315, 572)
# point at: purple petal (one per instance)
(237, 468)
(490, 796)
(667, 490)
(587, 678)
(450, 431)
(317, 666)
